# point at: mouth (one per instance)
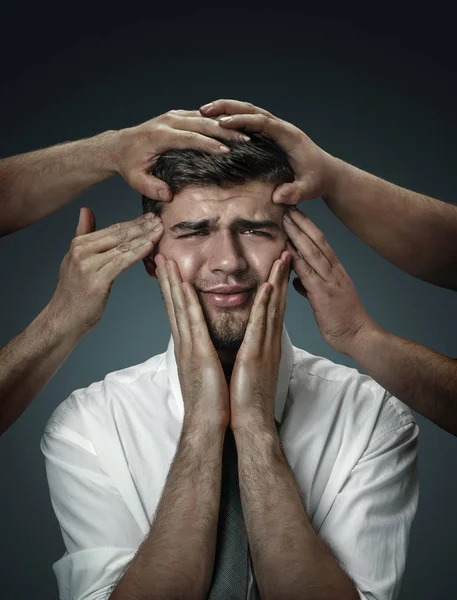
(228, 297)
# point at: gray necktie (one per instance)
(230, 575)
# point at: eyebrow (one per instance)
(237, 224)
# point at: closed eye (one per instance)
(194, 234)
(256, 232)
(246, 231)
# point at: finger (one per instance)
(276, 280)
(162, 278)
(90, 237)
(86, 223)
(123, 234)
(257, 122)
(314, 233)
(150, 186)
(184, 140)
(307, 248)
(98, 261)
(255, 330)
(198, 327)
(207, 127)
(287, 257)
(293, 193)
(232, 107)
(179, 302)
(122, 261)
(307, 275)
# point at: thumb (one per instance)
(299, 287)
(86, 223)
(151, 187)
(293, 193)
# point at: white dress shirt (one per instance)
(351, 445)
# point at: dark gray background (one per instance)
(374, 88)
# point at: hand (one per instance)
(255, 373)
(203, 385)
(312, 166)
(92, 264)
(322, 279)
(139, 147)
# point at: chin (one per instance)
(227, 330)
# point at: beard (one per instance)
(226, 329)
(227, 326)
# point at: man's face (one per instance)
(224, 242)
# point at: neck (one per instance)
(227, 358)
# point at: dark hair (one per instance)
(261, 159)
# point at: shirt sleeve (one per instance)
(368, 525)
(100, 533)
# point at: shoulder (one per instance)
(118, 390)
(348, 391)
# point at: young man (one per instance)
(327, 459)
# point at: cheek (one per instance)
(262, 257)
(187, 260)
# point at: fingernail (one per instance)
(206, 106)
(224, 149)
(225, 119)
(246, 138)
(158, 227)
(287, 218)
(150, 216)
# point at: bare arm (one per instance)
(36, 184)
(423, 379)
(416, 233)
(290, 560)
(86, 275)
(176, 560)
(30, 360)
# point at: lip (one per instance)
(228, 296)
(227, 289)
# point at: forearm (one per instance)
(421, 378)
(30, 360)
(290, 561)
(416, 233)
(177, 558)
(36, 184)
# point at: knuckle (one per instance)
(145, 226)
(76, 251)
(120, 233)
(123, 247)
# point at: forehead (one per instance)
(250, 200)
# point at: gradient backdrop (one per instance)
(374, 88)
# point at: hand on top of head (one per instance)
(312, 166)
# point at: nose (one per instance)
(226, 255)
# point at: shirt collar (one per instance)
(284, 374)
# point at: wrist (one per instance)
(367, 338)
(336, 171)
(108, 146)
